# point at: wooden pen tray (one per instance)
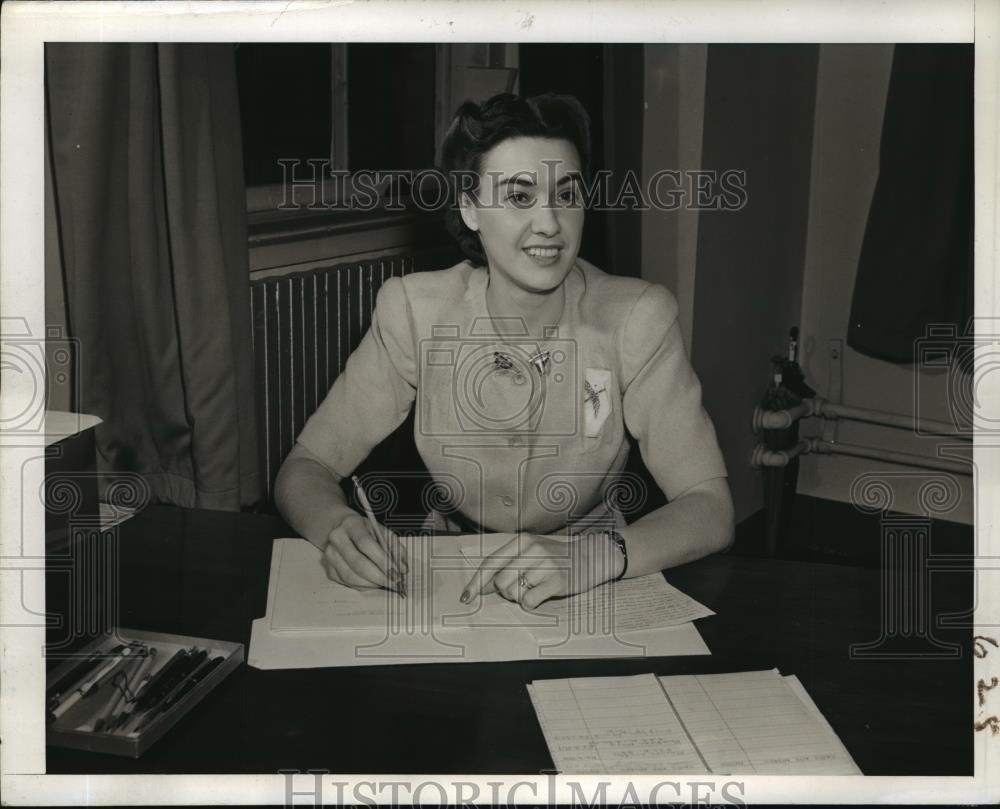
(62, 734)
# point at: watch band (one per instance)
(619, 541)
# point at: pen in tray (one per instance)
(91, 684)
(183, 689)
(122, 683)
(151, 690)
(132, 688)
(89, 714)
(136, 688)
(72, 678)
(152, 699)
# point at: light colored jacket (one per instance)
(515, 448)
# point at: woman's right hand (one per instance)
(354, 556)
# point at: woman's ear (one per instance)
(470, 213)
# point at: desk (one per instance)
(205, 573)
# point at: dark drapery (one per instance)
(916, 266)
(146, 157)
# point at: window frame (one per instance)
(286, 236)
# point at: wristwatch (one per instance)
(619, 541)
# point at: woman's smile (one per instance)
(529, 217)
(544, 256)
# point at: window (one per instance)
(390, 106)
(285, 106)
(349, 107)
(357, 105)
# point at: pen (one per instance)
(87, 714)
(135, 688)
(120, 680)
(147, 688)
(176, 661)
(199, 674)
(90, 686)
(155, 693)
(153, 696)
(76, 674)
(377, 530)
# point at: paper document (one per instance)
(754, 722)
(629, 605)
(305, 599)
(311, 621)
(613, 725)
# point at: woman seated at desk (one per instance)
(527, 365)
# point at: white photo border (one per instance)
(26, 26)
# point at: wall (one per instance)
(672, 134)
(850, 100)
(759, 106)
(61, 386)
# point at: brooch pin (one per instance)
(540, 361)
(593, 396)
(502, 362)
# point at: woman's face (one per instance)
(529, 213)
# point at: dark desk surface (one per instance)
(205, 574)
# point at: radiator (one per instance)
(305, 326)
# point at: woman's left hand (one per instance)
(532, 568)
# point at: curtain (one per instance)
(147, 173)
(916, 266)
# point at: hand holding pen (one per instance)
(362, 554)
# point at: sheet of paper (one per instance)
(299, 629)
(630, 605)
(610, 725)
(755, 722)
(382, 647)
(745, 723)
(305, 599)
(793, 683)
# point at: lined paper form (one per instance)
(630, 605)
(753, 722)
(311, 622)
(305, 599)
(736, 724)
(613, 725)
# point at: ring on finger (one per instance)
(513, 591)
(522, 580)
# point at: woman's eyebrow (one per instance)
(518, 179)
(522, 180)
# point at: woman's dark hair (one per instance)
(477, 128)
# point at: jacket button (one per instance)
(507, 500)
